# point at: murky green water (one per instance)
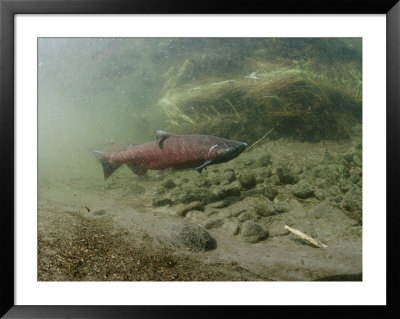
(96, 90)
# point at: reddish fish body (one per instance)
(171, 152)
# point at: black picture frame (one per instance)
(8, 9)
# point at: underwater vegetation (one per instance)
(304, 91)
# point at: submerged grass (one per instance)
(310, 100)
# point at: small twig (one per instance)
(303, 236)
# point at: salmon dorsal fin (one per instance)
(161, 136)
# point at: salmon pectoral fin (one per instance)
(137, 169)
(108, 166)
(161, 136)
(204, 165)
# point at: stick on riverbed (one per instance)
(303, 236)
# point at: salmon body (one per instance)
(170, 152)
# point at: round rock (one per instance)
(302, 190)
(285, 175)
(247, 179)
(252, 232)
(192, 236)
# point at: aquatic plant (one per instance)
(310, 101)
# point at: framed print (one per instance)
(159, 155)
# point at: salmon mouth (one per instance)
(231, 152)
(239, 148)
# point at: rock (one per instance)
(352, 203)
(302, 190)
(344, 185)
(357, 161)
(158, 201)
(252, 205)
(136, 189)
(160, 191)
(186, 198)
(252, 232)
(270, 191)
(247, 179)
(262, 207)
(213, 222)
(249, 162)
(319, 194)
(188, 195)
(182, 209)
(230, 227)
(192, 236)
(355, 178)
(285, 175)
(260, 174)
(233, 189)
(275, 224)
(248, 216)
(210, 211)
(259, 179)
(282, 207)
(168, 184)
(348, 157)
(328, 174)
(196, 216)
(358, 145)
(264, 160)
(237, 208)
(337, 199)
(223, 178)
(224, 214)
(268, 171)
(219, 204)
(202, 182)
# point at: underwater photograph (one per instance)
(199, 159)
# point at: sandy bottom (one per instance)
(90, 231)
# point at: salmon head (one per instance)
(225, 150)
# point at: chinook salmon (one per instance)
(170, 152)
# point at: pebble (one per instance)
(302, 190)
(357, 161)
(192, 236)
(182, 209)
(230, 227)
(264, 160)
(270, 191)
(219, 204)
(247, 216)
(252, 232)
(168, 184)
(161, 201)
(348, 157)
(247, 179)
(285, 175)
(196, 216)
(213, 222)
(352, 203)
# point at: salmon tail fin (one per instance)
(108, 166)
